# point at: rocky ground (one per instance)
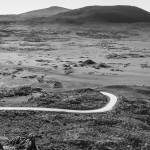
(49, 66)
(109, 52)
(126, 127)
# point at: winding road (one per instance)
(108, 107)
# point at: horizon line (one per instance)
(67, 8)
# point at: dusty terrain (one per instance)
(65, 67)
(105, 54)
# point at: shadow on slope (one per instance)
(98, 14)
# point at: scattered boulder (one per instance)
(87, 63)
(102, 65)
(57, 84)
(23, 143)
(29, 77)
(67, 69)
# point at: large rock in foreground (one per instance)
(21, 143)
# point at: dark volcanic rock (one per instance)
(102, 65)
(1, 147)
(87, 62)
(24, 143)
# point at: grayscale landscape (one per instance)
(64, 59)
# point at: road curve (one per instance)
(108, 107)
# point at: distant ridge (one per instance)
(97, 14)
(7, 18)
(47, 12)
(85, 15)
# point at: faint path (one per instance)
(108, 107)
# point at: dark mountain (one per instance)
(97, 14)
(90, 14)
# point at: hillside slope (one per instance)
(47, 12)
(105, 14)
(98, 14)
(85, 15)
(7, 18)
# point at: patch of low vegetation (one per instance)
(125, 56)
(16, 91)
(93, 64)
(10, 72)
(145, 65)
(96, 34)
(54, 84)
(34, 36)
(117, 69)
(83, 99)
(42, 60)
(126, 127)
